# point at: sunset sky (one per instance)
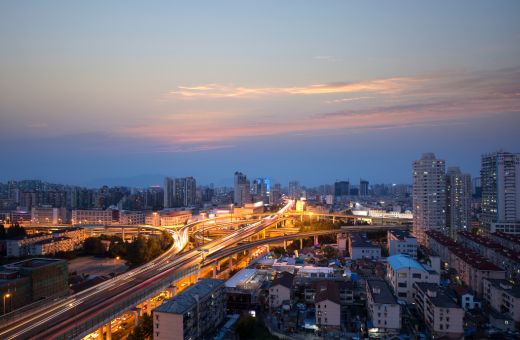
(314, 91)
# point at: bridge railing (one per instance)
(100, 319)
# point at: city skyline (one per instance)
(312, 93)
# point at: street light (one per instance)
(6, 296)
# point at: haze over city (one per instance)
(99, 92)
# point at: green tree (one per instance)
(165, 240)
(245, 325)
(147, 325)
(330, 252)
(2, 232)
(93, 246)
(15, 230)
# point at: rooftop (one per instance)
(361, 240)
(242, 276)
(327, 290)
(509, 237)
(186, 300)
(401, 234)
(33, 263)
(381, 292)
(284, 279)
(439, 297)
(403, 261)
(513, 290)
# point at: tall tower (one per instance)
(429, 196)
(458, 201)
(168, 193)
(500, 180)
(184, 192)
(242, 189)
(363, 187)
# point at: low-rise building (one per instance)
(360, 247)
(440, 313)
(383, 310)
(93, 216)
(21, 246)
(403, 271)
(131, 218)
(327, 306)
(401, 242)
(503, 297)
(48, 215)
(193, 314)
(280, 289)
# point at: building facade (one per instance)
(458, 201)
(429, 196)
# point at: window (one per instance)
(402, 275)
(402, 284)
(416, 276)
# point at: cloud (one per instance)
(389, 85)
(437, 99)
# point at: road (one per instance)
(59, 318)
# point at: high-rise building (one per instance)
(341, 188)
(295, 191)
(363, 188)
(168, 193)
(458, 201)
(179, 192)
(500, 179)
(242, 189)
(275, 195)
(429, 195)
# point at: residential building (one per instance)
(360, 247)
(441, 314)
(341, 189)
(403, 271)
(401, 242)
(500, 179)
(94, 216)
(327, 306)
(506, 240)
(458, 201)
(193, 314)
(132, 218)
(295, 191)
(383, 310)
(242, 189)
(168, 192)
(429, 196)
(48, 215)
(503, 297)
(363, 188)
(275, 196)
(280, 289)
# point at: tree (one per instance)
(245, 325)
(2, 232)
(93, 246)
(15, 230)
(147, 325)
(165, 240)
(330, 252)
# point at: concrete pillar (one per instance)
(333, 219)
(218, 265)
(316, 240)
(301, 243)
(285, 245)
(100, 332)
(263, 234)
(231, 262)
(172, 291)
(250, 255)
(109, 330)
(215, 271)
(123, 232)
(268, 249)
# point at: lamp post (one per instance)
(6, 296)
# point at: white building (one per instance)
(500, 178)
(458, 201)
(94, 216)
(403, 271)
(503, 297)
(361, 248)
(429, 195)
(280, 289)
(440, 313)
(383, 310)
(327, 307)
(401, 242)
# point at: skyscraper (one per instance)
(363, 188)
(179, 192)
(242, 189)
(429, 195)
(168, 192)
(341, 188)
(275, 195)
(295, 191)
(500, 179)
(458, 201)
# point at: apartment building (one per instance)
(131, 218)
(503, 297)
(506, 240)
(327, 304)
(193, 314)
(280, 289)
(384, 312)
(441, 314)
(360, 247)
(401, 242)
(403, 271)
(495, 252)
(439, 244)
(94, 216)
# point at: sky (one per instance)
(100, 92)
